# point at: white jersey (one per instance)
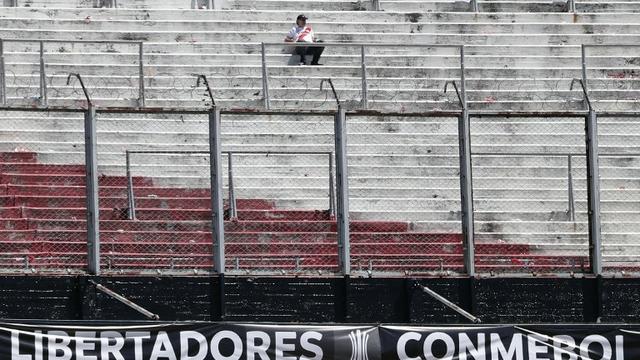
(300, 33)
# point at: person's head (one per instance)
(301, 20)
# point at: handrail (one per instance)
(131, 213)
(570, 191)
(57, 41)
(358, 44)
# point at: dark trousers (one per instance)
(316, 51)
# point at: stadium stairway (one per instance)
(43, 229)
(514, 60)
(400, 170)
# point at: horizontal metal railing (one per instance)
(233, 212)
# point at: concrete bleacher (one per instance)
(401, 170)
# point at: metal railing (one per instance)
(364, 101)
(570, 190)
(233, 208)
(43, 96)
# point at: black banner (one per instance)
(205, 341)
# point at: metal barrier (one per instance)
(233, 212)
(44, 91)
(181, 252)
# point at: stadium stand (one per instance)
(403, 172)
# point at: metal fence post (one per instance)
(332, 188)
(217, 209)
(474, 6)
(130, 195)
(233, 210)
(43, 78)
(141, 97)
(265, 79)
(593, 193)
(466, 192)
(365, 95)
(572, 207)
(466, 176)
(342, 216)
(93, 211)
(3, 84)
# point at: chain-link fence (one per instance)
(155, 199)
(404, 195)
(619, 161)
(43, 211)
(529, 186)
(279, 189)
(282, 185)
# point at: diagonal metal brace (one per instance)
(126, 301)
(333, 89)
(206, 84)
(455, 87)
(447, 303)
(584, 92)
(84, 89)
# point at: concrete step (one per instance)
(314, 15)
(322, 26)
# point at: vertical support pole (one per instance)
(217, 210)
(332, 189)
(474, 6)
(572, 208)
(593, 194)
(583, 56)
(571, 6)
(141, 97)
(93, 211)
(43, 78)
(365, 95)
(265, 79)
(3, 82)
(233, 206)
(130, 196)
(342, 218)
(466, 192)
(466, 177)
(375, 4)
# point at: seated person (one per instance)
(302, 32)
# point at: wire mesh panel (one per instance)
(37, 72)
(529, 186)
(43, 211)
(155, 207)
(619, 161)
(282, 189)
(404, 195)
